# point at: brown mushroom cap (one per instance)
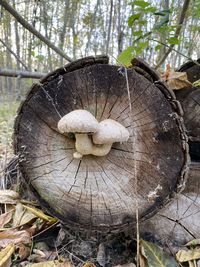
(110, 131)
(78, 121)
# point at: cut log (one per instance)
(99, 193)
(178, 222)
(192, 70)
(190, 101)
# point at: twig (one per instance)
(54, 224)
(194, 61)
(13, 53)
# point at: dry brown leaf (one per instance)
(188, 255)
(192, 264)
(22, 216)
(14, 237)
(178, 80)
(9, 197)
(65, 264)
(126, 265)
(5, 256)
(6, 218)
(89, 264)
(48, 264)
(23, 251)
(40, 214)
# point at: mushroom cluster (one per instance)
(92, 137)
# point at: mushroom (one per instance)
(109, 132)
(81, 123)
(104, 134)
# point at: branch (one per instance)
(30, 28)
(177, 32)
(13, 53)
(194, 61)
(21, 74)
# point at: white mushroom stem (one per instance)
(84, 146)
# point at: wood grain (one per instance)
(99, 192)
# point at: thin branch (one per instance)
(177, 32)
(194, 61)
(21, 74)
(30, 28)
(13, 53)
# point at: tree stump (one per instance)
(102, 193)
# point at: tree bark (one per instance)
(25, 24)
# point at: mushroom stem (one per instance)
(84, 146)
(101, 150)
(83, 143)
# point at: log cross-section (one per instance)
(99, 192)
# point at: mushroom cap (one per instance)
(110, 131)
(78, 121)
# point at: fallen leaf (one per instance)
(9, 197)
(55, 263)
(40, 214)
(196, 83)
(126, 265)
(89, 264)
(178, 80)
(156, 257)
(5, 256)
(188, 255)
(6, 218)
(101, 255)
(65, 264)
(192, 264)
(22, 216)
(23, 251)
(14, 237)
(193, 243)
(142, 258)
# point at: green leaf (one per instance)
(137, 33)
(132, 18)
(33, 53)
(158, 47)
(142, 22)
(163, 12)
(126, 56)
(143, 45)
(140, 3)
(173, 41)
(156, 257)
(150, 9)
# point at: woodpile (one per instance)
(147, 173)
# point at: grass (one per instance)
(8, 110)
